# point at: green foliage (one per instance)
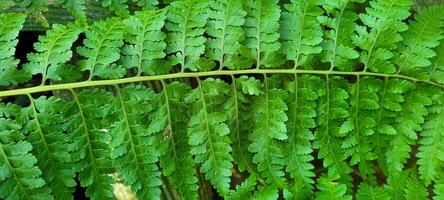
(269, 132)
(133, 147)
(436, 70)
(44, 131)
(176, 161)
(368, 192)
(225, 19)
(331, 189)
(76, 7)
(431, 151)
(102, 49)
(53, 50)
(338, 46)
(20, 177)
(208, 132)
(353, 107)
(300, 31)
(302, 99)
(423, 35)
(91, 152)
(146, 43)
(10, 24)
(186, 21)
(261, 31)
(381, 33)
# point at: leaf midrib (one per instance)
(45, 88)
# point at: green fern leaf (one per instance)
(149, 4)
(20, 178)
(266, 193)
(396, 183)
(185, 23)
(414, 189)
(146, 43)
(431, 150)
(300, 31)
(76, 7)
(88, 125)
(423, 35)
(439, 189)
(261, 31)
(384, 22)
(359, 126)
(118, 6)
(208, 132)
(332, 111)
(437, 69)
(303, 95)
(391, 98)
(10, 25)
(407, 124)
(368, 192)
(240, 121)
(225, 19)
(244, 190)
(176, 160)
(6, 4)
(134, 152)
(101, 49)
(269, 132)
(330, 189)
(338, 48)
(44, 130)
(53, 50)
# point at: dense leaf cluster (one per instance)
(264, 99)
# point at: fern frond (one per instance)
(53, 50)
(407, 124)
(338, 47)
(439, 188)
(240, 122)
(360, 124)
(303, 92)
(20, 178)
(176, 160)
(431, 150)
(332, 111)
(369, 192)
(300, 31)
(391, 98)
(120, 7)
(244, 190)
(225, 19)
(76, 7)
(146, 43)
(396, 183)
(44, 130)
(10, 25)
(101, 50)
(208, 132)
(330, 189)
(381, 33)
(269, 192)
(147, 3)
(436, 70)
(133, 148)
(185, 23)
(418, 42)
(269, 132)
(89, 126)
(414, 188)
(261, 31)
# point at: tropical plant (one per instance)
(193, 99)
